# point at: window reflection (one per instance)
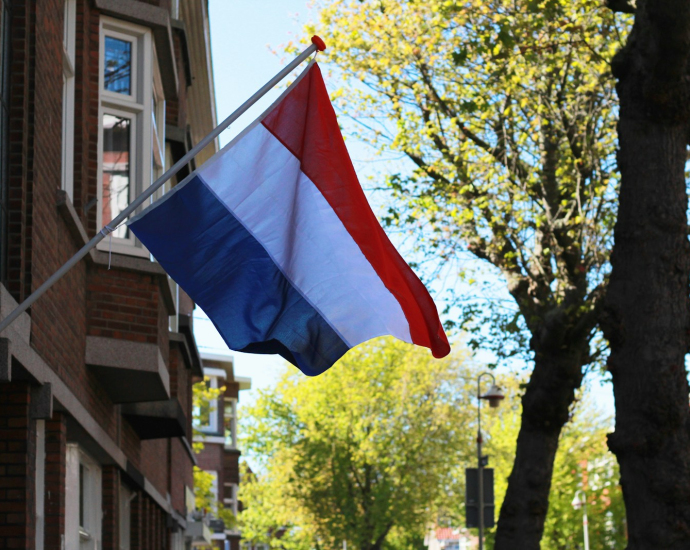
(117, 75)
(116, 169)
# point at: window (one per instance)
(68, 70)
(132, 125)
(207, 414)
(230, 416)
(82, 501)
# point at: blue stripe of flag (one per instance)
(229, 274)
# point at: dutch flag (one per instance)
(274, 239)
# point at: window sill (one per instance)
(123, 247)
(132, 262)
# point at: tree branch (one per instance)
(622, 6)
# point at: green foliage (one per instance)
(360, 452)
(203, 404)
(506, 111)
(582, 462)
(269, 513)
(389, 414)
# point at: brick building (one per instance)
(97, 98)
(218, 432)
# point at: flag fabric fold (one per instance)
(274, 239)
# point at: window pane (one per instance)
(116, 169)
(118, 66)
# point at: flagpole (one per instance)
(316, 45)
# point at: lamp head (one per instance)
(494, 396)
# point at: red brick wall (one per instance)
(211, 457)
(234, 543)
(86, 114)
(180, 472)
(124, 304)
(56, 451)
(58, 318)
(231, 466)
(181, 383)
(148, 530)
(110, 529)
(20, 150)
(17, 467)
(176, 109)
(116, 303)
(130, 443)
(154, 463)
(163, 322)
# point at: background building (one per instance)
(97, 98)
(218, 432)
(449, 538)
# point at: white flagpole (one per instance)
(317, 44)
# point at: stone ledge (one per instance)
(129, 371)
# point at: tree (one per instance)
(582, 462)
(362, 452)
(279, 508)
(505, 109)
(269, 515)
(647, 315)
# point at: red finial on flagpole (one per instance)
(320, 44)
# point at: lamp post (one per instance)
(580, 501)
(494, 397)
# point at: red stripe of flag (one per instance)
(306, 124)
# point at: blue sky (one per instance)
(244, 34)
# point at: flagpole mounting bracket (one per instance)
(318, 42)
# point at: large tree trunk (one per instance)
(545, 408)
(647, 308)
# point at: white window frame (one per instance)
(212, 425)
(68, 73)
(138, 105)
(158, 150)
(232, 402)
(233, 501)
(86, 536)
(125, 516)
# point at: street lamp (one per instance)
(580, 501)
(494, 397)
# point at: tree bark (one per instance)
(545, 410)
(646, 315)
